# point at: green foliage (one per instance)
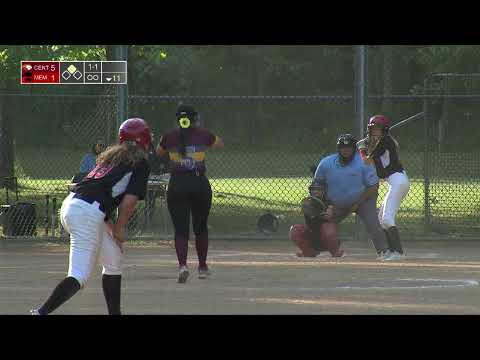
(240, 70)
(252, 70)
(450, 58)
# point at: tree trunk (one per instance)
(111, 120)
(6, 144)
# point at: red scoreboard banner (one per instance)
(40, 72)
(73, 72)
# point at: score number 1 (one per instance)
(93, 67)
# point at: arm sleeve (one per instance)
(138, 181)
(163, 142)
(321, 172)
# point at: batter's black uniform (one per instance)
(385, 157)
(108, 185)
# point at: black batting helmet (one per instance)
(187, 111)
(346, 140)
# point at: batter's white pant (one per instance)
(89, 238)
(398, 186)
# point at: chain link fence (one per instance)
(272, 142)
(51, 133)
(452, 176)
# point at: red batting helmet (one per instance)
(379, 120)
(137, 130)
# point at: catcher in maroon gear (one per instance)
(319, 232)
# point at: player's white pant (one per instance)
(88, 239)
(398, 186)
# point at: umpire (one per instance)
(189, 190)
(352, 187)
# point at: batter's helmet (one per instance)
(188, 111)
(379, 120)
(137, 130)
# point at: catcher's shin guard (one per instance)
(393, 239)
(298, 235)
(329, 239)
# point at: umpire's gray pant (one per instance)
(367, 211)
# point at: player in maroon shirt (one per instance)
(189, 190)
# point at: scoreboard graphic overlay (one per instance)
(73, 72)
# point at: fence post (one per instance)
(7, 154)
(121, 54)
(426, 158)
(360, 96)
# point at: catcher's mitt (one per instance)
(313, 206)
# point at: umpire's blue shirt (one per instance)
(345, 183)
(88, 163)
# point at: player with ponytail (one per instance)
(189, 191)
(381, 149)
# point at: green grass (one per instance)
(237, 203)
(256, 181)
(456, 205)
(58, 163)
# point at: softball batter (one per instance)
(382, 149)
(118, 180)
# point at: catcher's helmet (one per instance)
(137, 130)
(267, 223)
(346, 140)
(379, 120)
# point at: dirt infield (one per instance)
(257, 277)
